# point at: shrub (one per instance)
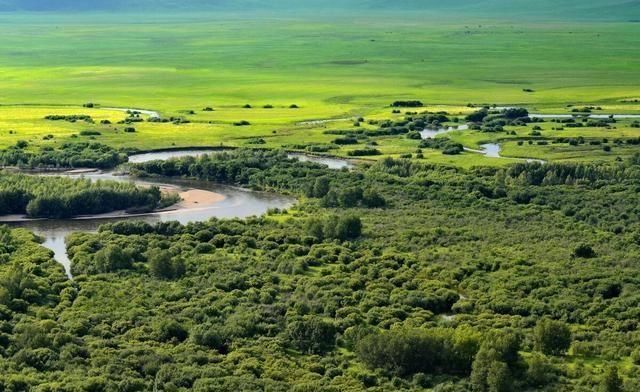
(552, 337)
(584, 251)
(90, 133)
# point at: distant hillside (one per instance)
(569, 9)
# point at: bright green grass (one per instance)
(339, 68)
(334, 66)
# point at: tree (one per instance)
(611, 381)
(539, 371)
(552, 337)
(315, 228)
(348, 227)
(171, 330)
(491, 369)
(160, 264)
(499, 377)
(321, 187)
(477, 116)
(350, 197)
(311, 334)
(584, 251)
(111, 258)
(372, 199)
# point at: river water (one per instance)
(237, 203)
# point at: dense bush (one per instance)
(69, 155)
(444, 288)
(51, 197)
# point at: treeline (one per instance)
(57, 197)
(69, 155)
(489, 120)
(271, 170)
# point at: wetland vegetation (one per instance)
(400, 197)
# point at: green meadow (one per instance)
(337, 68)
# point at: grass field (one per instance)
(339, 68)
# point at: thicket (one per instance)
(466, 280)
(57, 197)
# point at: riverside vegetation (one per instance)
(428, 266)
(393, 276)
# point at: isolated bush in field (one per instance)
(90, 133)
(407, 104)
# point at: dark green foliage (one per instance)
(409, 351)
(584, 251)
(90, 133)
(163, 266)
(345, 140)
(69, 118)
(69, 155)
(346, 227)
(111, 258)
(552, 337)
(364, 152)
(50, 197)
(447, 146)
(478, 116)
(171, 331)
(311, 334)
(436, 293)
(494, 366)
(611, 381)
(407, 104)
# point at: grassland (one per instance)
(334, 69)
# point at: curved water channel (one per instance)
(490, 150)
(231, 202)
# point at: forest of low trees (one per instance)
(58, 197)
(419, 277)
(69, 155)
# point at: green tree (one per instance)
(111, 258)
(499, 377)
(311, 334)
(321, 187)
(611, 380)
(315, 228)
(372, 199)
(348, 227)
(552, 337)
(160, 263)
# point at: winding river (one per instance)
(219, 201)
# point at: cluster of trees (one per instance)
(489, 120)
(53, 197)
(447, 146)
(407, 104)
(69, 155)
(467, 280)
(70, 118)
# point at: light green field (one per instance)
(336, 68)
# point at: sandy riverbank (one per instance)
(192, 199)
